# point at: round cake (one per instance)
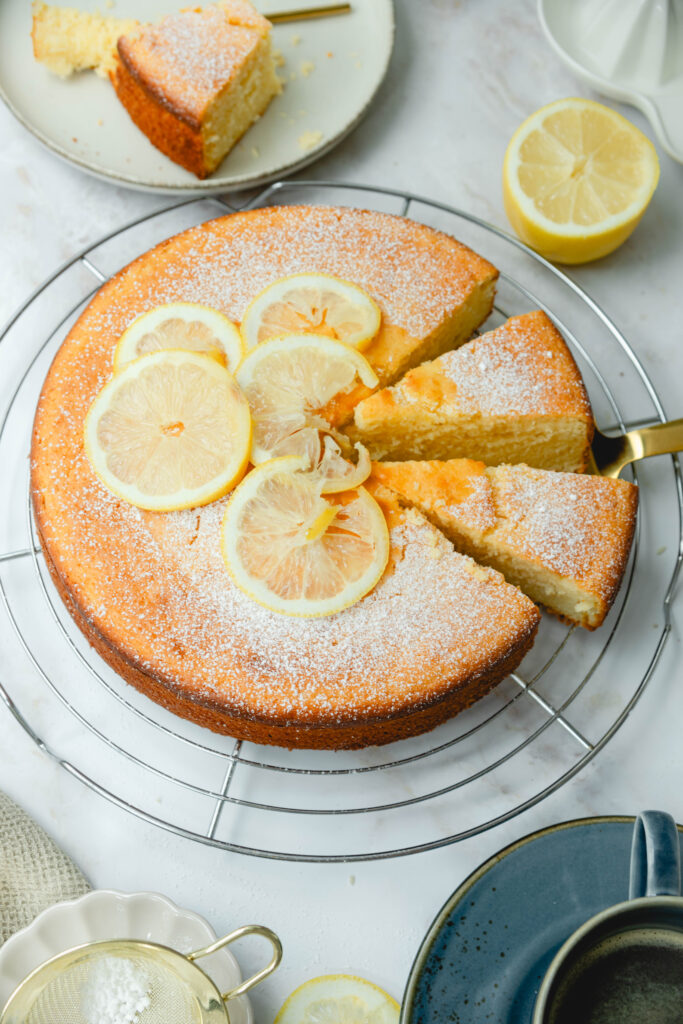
(151, 591)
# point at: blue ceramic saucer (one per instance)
(488, 948)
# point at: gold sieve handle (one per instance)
(247, 929)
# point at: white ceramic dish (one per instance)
(631, 50)
(81, 120)
(104, 914)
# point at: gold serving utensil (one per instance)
(609, 455)
(306, 13)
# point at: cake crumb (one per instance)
(295, 39)
(279, 58)
(308, 140)
(292, 75)
(307, 66)
(100, 121)
(329, 53)
(255, 151)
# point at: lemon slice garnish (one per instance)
(285, 549)
(172, 430)
(577, 178)
(185, 325)
(312, 304)
(338, 999)
(288, 382)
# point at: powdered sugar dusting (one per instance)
(578, 526)
(416, 275)
(188, 57)
(476, 509)
(521, 368)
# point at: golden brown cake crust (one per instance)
(151, 592)
(166, 129)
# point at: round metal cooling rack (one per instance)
(516, 746)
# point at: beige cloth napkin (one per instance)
(34, 873)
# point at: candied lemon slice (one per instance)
(296, 551)
(577, 178)
(172, 430)
(312, 304)
(288, 382)
(185, 325)
(338, 999)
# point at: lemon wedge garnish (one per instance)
(577, 178)
(285, 549)
(172, 430)
(185, 325)
(338, 999)
(312, 304)
(288, 382)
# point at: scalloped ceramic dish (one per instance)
(105, 914)
(631, 50)
(333, 68)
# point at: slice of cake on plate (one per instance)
(563, 538)
(514, 394)
(196, 81)
(66, 40)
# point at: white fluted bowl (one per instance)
(105, 914)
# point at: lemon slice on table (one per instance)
(312, 304)
(338, 999)
(577, 178)
(185, 325)
(288, 382)
(172, 430)
(294, 550)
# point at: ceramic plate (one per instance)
(627, 49)
(104, 914)
(484, 956)
(333, 67)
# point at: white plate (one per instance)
(631, 50)
(82, 121)
(104, 914)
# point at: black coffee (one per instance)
(632, 978)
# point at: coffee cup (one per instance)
(626, 963)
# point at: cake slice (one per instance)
(512, 395)
(562, 538)
(196, 81)
(68, 40)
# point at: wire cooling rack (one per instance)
(520, 743)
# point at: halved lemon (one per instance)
(288, 382)
(172, 430)
(577, 178)
(297, 552)
(185, 325)
(338, 999)
(312, 304)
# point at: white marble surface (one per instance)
(463, 76)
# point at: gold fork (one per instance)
(609, 455)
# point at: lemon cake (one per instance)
(151, 590)
(563, 538)
(514, 394)
(68, 40)
(196, 81)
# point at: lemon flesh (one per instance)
(338, 999)
(185, 325)
(288, 382)
(577, 178)
(172, 430)
(294, 550)
(312, 304)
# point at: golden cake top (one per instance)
(187, 58)
(522, 368)
(577, 525)
(155, 585)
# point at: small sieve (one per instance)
(173, 988)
